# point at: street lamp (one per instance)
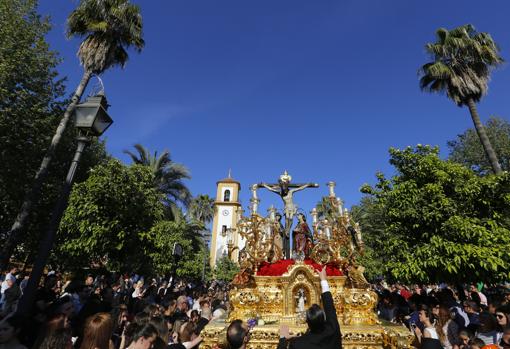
(177, 253)
(91, 119)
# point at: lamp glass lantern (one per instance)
(92, 116)
(177, 251)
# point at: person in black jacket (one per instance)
(323, 327)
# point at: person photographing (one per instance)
(323, 328)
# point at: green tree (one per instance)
(168, 176)
(108, 218)
(160, 241)
(461, 67)
(442, 222)
(370, 217)
(225, 269)
(110, 27)
(30, 108)
(201, 208)
(466, 148)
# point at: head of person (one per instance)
(493, 305)
(503, 316)
(60, 338)
(143, 337)
(238, 334)
(141, 318)
(187, 332)
(464, 337)
(315, 318)
(194, 316)
(425, 316)
(65, 305)
(161, 327)
(205, 305)
(89, 280)
(182, 303)
(476, 343)
(57, 321)
(97, 332)
(443, 315)
(471, 307)
(206, 313)
(10, 327)
(50, 282)
(10, 280)
(488, 322)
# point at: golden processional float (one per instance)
(275, 286)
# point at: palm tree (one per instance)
(109, 27)
(168, 176)
(462, 62)
(201, 208)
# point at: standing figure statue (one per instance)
(302, 235)
(286, 192)
(284, 235)
(301, 301)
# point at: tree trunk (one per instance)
(489, 151)
(32, 197)
(46, 244)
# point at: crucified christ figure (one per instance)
(286, 192)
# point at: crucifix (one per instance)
(286, 191)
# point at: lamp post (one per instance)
(177, 252)
(91, 119)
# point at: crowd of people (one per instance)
(112, 311)
(472, 316)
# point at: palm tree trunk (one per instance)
(32, 197)
(489, 151)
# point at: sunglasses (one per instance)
(500, 316)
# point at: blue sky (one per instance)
(320, 88)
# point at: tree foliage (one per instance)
(160, 241)
(225, 269)
(441, 222)
(168, 176)
(466, 148)
(462, 62)
(116, 219)
(461, 67)
(201, 209)
(108, 216)
(30, 108)
(110, 27)
(370, 216)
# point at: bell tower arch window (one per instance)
(226, 195)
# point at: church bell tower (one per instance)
(225, 242)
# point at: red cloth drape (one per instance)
(279, 268)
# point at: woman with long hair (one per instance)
(160, 325)
(446, 328)
(98, 332)
(503, 317)
(58, 339)
(53, 324)
(429, 338)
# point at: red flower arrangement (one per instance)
(279, 268)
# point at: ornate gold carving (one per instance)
(353, 337)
